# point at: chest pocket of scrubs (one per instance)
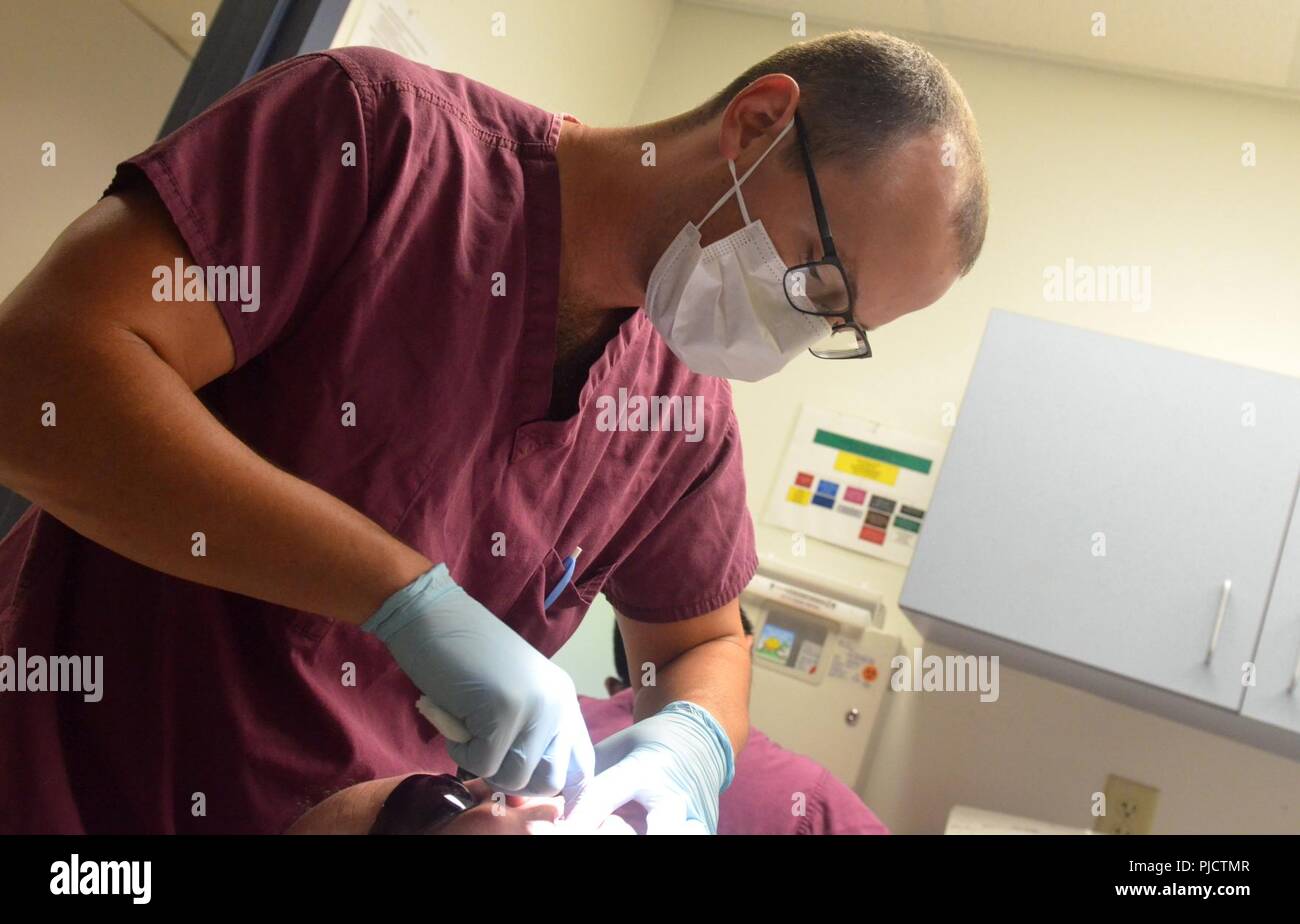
(580, 591)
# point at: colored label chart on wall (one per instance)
(855, 483)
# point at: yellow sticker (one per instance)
(863, 467)
(798, 495)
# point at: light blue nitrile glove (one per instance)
(527, 735)
(675, 763)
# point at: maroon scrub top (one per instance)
(400, 359)
(760, 799)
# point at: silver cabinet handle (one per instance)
(1218, 620)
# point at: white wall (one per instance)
(585, 57)
(1104, 169)
(94, 79)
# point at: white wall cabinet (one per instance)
(1095, 497)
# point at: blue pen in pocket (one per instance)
(569, 564)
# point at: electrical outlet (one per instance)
(1130, 807)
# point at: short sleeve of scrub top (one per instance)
(286, 194)
(702, 553)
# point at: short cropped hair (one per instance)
(862, 94)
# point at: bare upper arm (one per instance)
(660, 643)
(97, 280)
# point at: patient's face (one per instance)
(497, 813)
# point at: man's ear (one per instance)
(768, 100)
(613, 685)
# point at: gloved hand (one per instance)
(527, 734)
(675, 763)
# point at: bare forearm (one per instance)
(136, 463)
(713, 675)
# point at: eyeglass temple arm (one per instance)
(822, 227)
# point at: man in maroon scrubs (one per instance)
(352, 463)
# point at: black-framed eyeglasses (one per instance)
(822, 287)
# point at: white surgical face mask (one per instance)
(722, 309)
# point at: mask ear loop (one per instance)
(735, 182)
(740, 197)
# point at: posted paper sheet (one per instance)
(855, 483)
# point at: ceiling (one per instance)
(1249, 45)
(172, 20)
(1246, 45)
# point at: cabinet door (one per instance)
(1096, 495)
(1274, 699)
